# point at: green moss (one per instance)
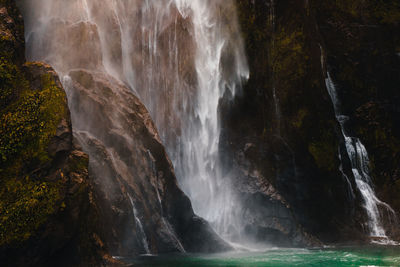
(11, 82)
(324, 154)
(28, 121)
(289, 59)
(254, 24)
(289, 48)
(297, 122)
(77, 164)
(25, 205)
(28, 124)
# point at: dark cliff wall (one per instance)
(284, 123)
(362, 40)
(286, 113)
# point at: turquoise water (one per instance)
(338, 257)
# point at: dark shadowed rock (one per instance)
(282, 131)
(362, 43)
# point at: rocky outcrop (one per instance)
(47, 211)
(142, 208)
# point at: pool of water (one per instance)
(338, 257)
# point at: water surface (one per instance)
(338, 257)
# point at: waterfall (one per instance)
(180, 57)
(360, 167)
(139, 227)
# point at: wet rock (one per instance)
(135, 180)
(362, 41)
(286, 113)
(48, 214)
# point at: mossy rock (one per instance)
(25, 205)
(27, 124)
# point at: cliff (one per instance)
(362, 42)
(92, 177)
(283, 126)
(47, 211)
(60, 205)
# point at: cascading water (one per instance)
(360, 167)
(141, 232)
(199, 163)
(179, 56)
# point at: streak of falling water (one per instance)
(179, 56)
(139, 227)
(360, 167)
(199, 163)
(272, 17)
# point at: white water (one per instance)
(360, 167)
(139, 228)
(178, 56)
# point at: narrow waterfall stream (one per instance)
(180, 57)
(360, 167)
(140, 229)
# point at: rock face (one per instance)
(282, 131)
(362, 43)
(52, 211)
(47, 211)
(280, 138)
(142, 208)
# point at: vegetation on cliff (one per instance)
(26, 126)
(28, 120)
(47, 210)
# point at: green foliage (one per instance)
(24, 207)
